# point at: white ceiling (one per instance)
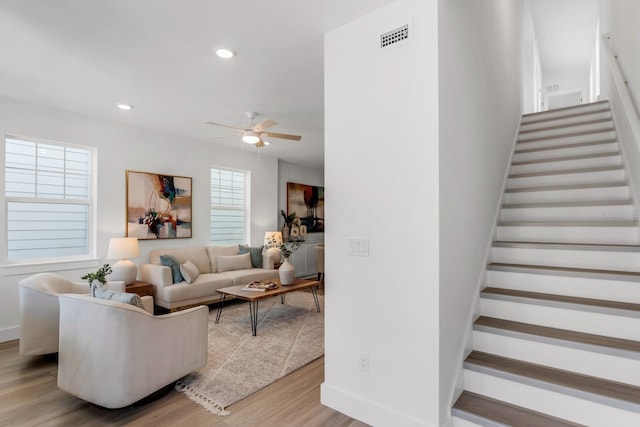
(565, 32)
(87, 56)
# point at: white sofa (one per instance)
(114, 354)
(203, 290)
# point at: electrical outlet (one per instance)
(364, 362)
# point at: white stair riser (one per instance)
(541, 133)
(573, 195)
(566, 121)
(585, 287)
(613, 368)
(459, 422)
(567, 165)
(553, 403)
(575, 234)
(555, 114)
(617, 175)
(562, 140)
(609, 147)
(563, 318)
(599, 260)
(578, 213)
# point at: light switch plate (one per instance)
(358, 247)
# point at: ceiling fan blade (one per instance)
(225, 126)
(283, 136)
(223, 136)
(263, 125)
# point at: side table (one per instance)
(141, 288)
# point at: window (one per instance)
(48, 200)
(229, 213)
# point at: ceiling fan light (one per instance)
(225, 53)
(250, 137)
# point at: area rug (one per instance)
(289, 336)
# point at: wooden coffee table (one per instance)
(253, 297)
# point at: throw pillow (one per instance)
(233, 262)
(170, 261)
(256, 254)
(189, 271)
(133, 299)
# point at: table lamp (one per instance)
(272, 239)
(123, 248)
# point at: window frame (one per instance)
(246, 209)
(53, 263)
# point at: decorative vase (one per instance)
(287, 272)
(285, 233)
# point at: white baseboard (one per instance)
(365, 410)
(10, 334)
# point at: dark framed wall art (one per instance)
(307, 201)
(158, 206)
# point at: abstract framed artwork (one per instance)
(307, 201)
(158, 206)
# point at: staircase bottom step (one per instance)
(492, 412)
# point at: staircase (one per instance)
(557, 341)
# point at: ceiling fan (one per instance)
(256, 133)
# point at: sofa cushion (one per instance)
(196, 254)
(223, 250)
(171, 262)
(133, 299)
(189, 271)
(204, 286)
(233, 262)
(256, 254)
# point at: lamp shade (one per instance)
(123, 247)
(272, 236)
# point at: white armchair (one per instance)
(320, 261)
(114, 354)
(39, 312)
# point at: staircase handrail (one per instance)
(622, 88)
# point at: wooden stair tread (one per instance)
(566, 125)
(592, 203)
(564, 146)
(497, 265)
(566, 135)
(568, 246)
(558, 377)
(592, 302)
(568, 171)
(567, 187)
(555, 110)
(618, 223)
(566, 158)
(506, 413)
(559, 334)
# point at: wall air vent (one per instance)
(394, 36)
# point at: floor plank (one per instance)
(30, 397)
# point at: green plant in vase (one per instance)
(100, 276)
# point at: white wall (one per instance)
(480, 101)
(381, 180)
(531, 68)
(120, 148)
(626, 38)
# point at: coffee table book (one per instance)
(260, 286)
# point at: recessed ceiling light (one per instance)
(125, 106)
(225, 53)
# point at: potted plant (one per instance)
(287, 271)
(100, 276)
(288, 223)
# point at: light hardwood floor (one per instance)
(29, 397)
